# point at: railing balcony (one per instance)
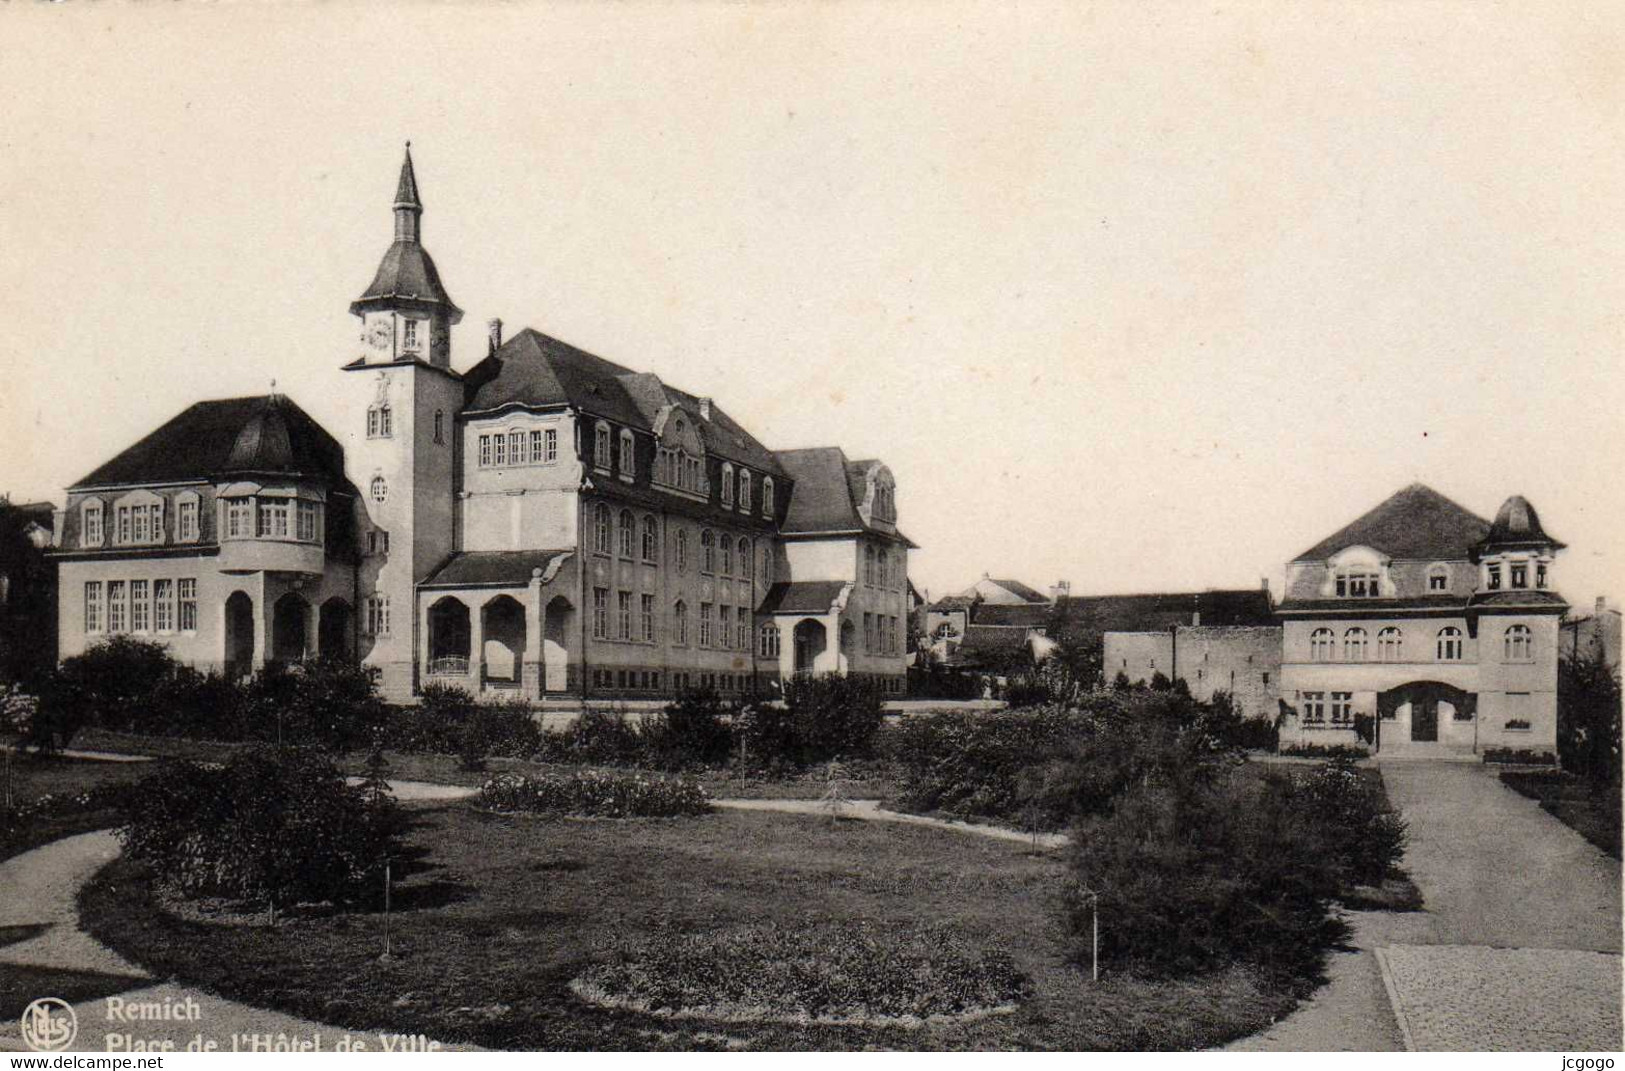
(448, 667)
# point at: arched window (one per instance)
(744, 489)
(1321, 642)
(601, 537)
(744, 559)
(629, 460)
(682, 550)
(379, 489)
(708, 552)
(1449, 649)
(1519, 644)
(627, 533)
(679, 620)
(1354, 645)
(651, 539)
(768, 641)
(727, 484)
(727, 556)
(767, 496)
(1390, 645)
(600, 446)
(1438, 577)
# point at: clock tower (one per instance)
(400, 443)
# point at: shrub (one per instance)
(1325, 751)
(448, 720)
(330, 703)
(972, 764)
(1365, 834)
(271, 825)
(594, 795)
(1052, 683)
(693, 731)
(1519, 756)
(198, 705)
(1588, 717)
(821, 717)
(113, 681)
(597, 737)
(1194, 877)
(933, 680)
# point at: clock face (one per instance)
(379, 334)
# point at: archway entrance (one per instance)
(449, 638)
(288, 618)
(502, 622)
(557, 621)
(810, 638)
(333, 631)
(239, 647)
(1426, 702)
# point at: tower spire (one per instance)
(408, 208)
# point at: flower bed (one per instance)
(595, 795)
(848, 972)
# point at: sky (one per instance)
(1149, 297)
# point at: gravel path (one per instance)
(871, 811)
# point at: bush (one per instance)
(693, 731)
(1519, 756)
(330, 703)
(1588, 717)
(598, 737)
(821, 717)
(113, 681)
(1053, 683)
(933, 680)
(1195, 877)
(1325, 751)
(594, 795)
(278, 826)
(448, 720)
(1361, 829)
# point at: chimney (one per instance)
(1060, 590)
(705, 409)
(1264, 584)
(494, 331)
(1602, 603)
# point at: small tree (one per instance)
(1588, 717)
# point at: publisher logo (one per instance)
(49, 1025)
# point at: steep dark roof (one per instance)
(1030, 615)
(1150, 613)
(824, 495)
(262, 434)
(992, 638)
(407, 273)
(950, 603)
(1518, 525)
(801, 597)
(1415, 523)
(535, 370)
(491, 568)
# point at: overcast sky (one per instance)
(1150, 298)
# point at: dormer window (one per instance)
(600, 446)
(727, 484)
(1494, 573)
(380, 422)
(1439, 577)
(767, 496)
(186, 518)
(629, 464)
(744, 489)
(1358, 584)
(91, 533)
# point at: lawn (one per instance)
(1587, 807)
(497, 915)
(33, 776)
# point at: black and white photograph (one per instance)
(801, 527)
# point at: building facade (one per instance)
(544, 523)
(1243, 661)
(1435, 627)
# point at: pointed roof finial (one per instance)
(406, 192)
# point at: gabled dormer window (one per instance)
(1438, 577)
(600, 446)
(744, 489)
(1358, 584)
(767, 496)
(186, 518)
(91, 534)
(629, 460)
(727, 484)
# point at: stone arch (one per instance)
(239, 634)
(450, 637)
(290, 627)
(558, 621)
(333, 634)
(502, 624)
(810, 639)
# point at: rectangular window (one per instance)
(93, 527)
(705, 624)
(550, 445)
(186, 590)
(600, 613)
(681, 618)
(138, 606)
(186, 520)
(1540, 574)
(1495, 577)
(536, 447)
(499, 444)
(116, 606)
(1520, 574)
(516, 447)
(273, 518)
(648, 609)
(1342, 708)
(1314, 708)
(409, 341)
(307, 521)
(239, 517)
(868, 633)
(93, 606)
(1358, 585)
(163, 605)
(623, 609)
(485, 451)
(742, 629)
(138, 530)
(378, 615)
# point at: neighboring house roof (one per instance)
(494, 568)
(823, 500)
(802, 597)
(1415, 523)
(993, 638)
(265, 434)
(535, 370)
(951, 604)
(1025, 615)
(1155, 612)
(1016, 587)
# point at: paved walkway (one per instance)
(871, 811)
(1517, 947)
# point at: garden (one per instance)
(591, 894)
